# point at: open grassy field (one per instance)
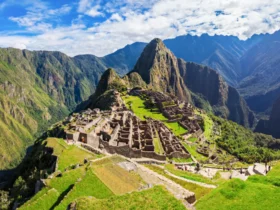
(197, 189)
(152, 199)
(138, 107)
(117, 179)
(90, 185)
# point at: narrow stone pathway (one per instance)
(151, 177)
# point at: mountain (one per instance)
(242, 64)
(158, 69)
(261, 72)
(221, 53)
(271, 126)
(38, 88)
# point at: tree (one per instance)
(4, 200)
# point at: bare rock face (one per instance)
(224, 99)
(271, 126)
(158, 67)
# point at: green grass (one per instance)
(90, 185)
(158, 147)
(68, 155)
(239, 195)
(117, 179)
(68, 178)
(188, 175)
(275, 170)
(153, 199)
(192, 139)
(182, 160)
(35, 197)
(45, 202)
(257, 193)
(73, 155)
(140, 111)
(197, 189)
(208, 125)
(192, 150)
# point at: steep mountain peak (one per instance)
(108, 77)
(158, 67)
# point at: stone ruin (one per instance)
(174, 110)
(120, 131)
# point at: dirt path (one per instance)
(154, 178)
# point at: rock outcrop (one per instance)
(271, 126)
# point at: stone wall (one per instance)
(129, 152)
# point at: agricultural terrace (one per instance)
(68, 154)
(155, 198)
(138, 107)
(117, 179)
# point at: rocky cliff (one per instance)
(158, 67)
(271, 126)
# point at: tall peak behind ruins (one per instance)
(158, 67)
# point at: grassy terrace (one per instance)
(158, 146)
(258, 193)
(188, 175)
(140, 111)
(155, 198)
(198, 190)
(89, 186)
(68, 155)
(118, 180)
(208, 124)
(193, 152)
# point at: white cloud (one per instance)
(37, 14)
(93, 12)
(90, 8)
(129, 21)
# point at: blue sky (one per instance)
(101, 26)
